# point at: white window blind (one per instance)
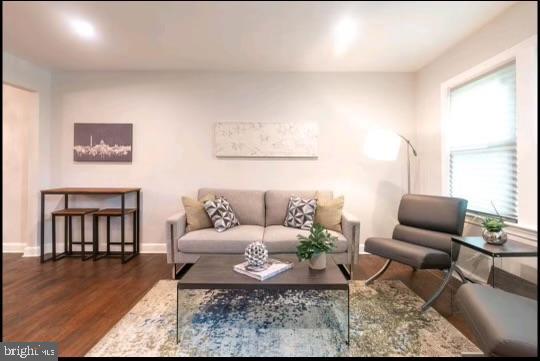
(482, 143)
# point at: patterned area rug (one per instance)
(385, 321)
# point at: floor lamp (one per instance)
(384, 145)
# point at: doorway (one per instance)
(19, 115)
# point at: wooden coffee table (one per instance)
(216, 272)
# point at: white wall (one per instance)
(510, 28)
(174, 114)
(21, 73)
(19, 115)
(516, 24)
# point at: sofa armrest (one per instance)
(350, 226)
(175, 228)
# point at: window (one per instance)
(482, 142)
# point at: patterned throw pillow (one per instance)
(300, 213)
(221, 214)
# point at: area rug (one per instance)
(384, 316)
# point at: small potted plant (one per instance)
(493, 232)
(315, 247)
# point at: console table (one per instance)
(122, 192)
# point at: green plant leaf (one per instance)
(318, 241)
(493, 224)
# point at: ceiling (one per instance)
(235, 36)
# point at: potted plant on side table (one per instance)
(493, 232)
(315, 247)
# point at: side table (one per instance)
(508, 249)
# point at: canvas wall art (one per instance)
(103, 142)
(282, 140)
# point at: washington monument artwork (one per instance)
(98, 142)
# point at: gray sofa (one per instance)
(261, 215)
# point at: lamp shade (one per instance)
(382, 144)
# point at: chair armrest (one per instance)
(175, 228)
(350, 227)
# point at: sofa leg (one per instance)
(174, 271)
(379, 273)
(346, 270)
(179, 269)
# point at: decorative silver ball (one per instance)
(256, 254)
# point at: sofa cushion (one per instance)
(234, 240)
(248, 205)
(276, 202)
(281, 239)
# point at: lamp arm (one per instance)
(408, 143)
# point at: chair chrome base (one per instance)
(380, 272)
(439, 291)
(443, 285)
(461, 275)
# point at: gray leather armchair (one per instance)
(422, 239)
(504, 324)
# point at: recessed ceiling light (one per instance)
(344, 34)
(83, 28)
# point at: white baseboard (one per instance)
(361, 249)
(34, 251)
(31, 252)
(153, 248)
(13, 247)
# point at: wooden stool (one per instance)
(115, 212)
(68, 213)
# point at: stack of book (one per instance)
(275, 267)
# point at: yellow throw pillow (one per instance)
(328, 212)
(196, 215)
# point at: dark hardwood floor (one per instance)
(75, 303)
(72, 302)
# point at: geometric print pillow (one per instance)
(221, 214)
(300, 213)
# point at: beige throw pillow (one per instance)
(196, 215)
(328, 212)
